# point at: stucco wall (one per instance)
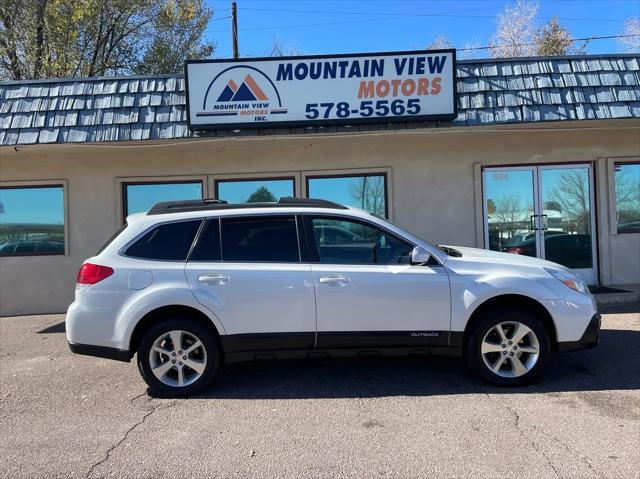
(434, 185)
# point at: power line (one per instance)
(586, 39)
(442, 14)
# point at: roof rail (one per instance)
(166, 207)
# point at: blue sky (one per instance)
(333, 26)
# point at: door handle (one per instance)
(334, 280)
(213, 278)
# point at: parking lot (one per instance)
(70, 416)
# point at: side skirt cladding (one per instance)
(263, 346)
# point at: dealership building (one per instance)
(536, 156)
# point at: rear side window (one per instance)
(257, 239)
(208, 246)
(170, 241)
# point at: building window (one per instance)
(140, 197)
(254, 190)
(32, 220)
(368, 192)
(627, 197)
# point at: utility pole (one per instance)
(234, 29)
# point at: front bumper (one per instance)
(589, 339)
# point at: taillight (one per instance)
(92, 273)
(515, 250)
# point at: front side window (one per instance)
(341, 241)
(627, 177)
(367, 192)
(32, 220)
(168, 242)
(266, 239)
(140, 197)
(254, 191)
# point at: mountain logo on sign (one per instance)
(247, 91)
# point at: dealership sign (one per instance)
(321, 90)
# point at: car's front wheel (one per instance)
(178, 357)
(508, 347)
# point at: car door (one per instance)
(367, 292)
(247, 271)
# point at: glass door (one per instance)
(510, 196)
(542, 211)
(567, 219)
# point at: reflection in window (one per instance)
(254, 191)
(141, 197)
(628, 197)
(350, 242)
(31, 220)
(367, 192)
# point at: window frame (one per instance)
(124, 182)
(312, 247)
(355, 173)
(613, 199)
(299, 238)
(54, 183)
(216, 180)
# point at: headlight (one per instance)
(569, 280)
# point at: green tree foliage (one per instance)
(262, 195)
(554, 39)
(178, 37)
(66, 38)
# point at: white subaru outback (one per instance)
(192, 284)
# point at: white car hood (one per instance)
(488, 256)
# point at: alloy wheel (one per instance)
(510, 349)
(178, 358)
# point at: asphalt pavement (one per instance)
(70, 416)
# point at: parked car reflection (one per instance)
(27, 247)
(570, 250)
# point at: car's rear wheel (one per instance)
(508, 347)
(178, 357)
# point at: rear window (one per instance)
(170, 241)
(260, 239)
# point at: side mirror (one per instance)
(419, 255)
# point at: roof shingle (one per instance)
(489, 92)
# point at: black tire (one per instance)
(191, 327)
(506, 314)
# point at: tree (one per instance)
(369, 194)
(440, 42)
(178, 37)
(572, 194)
(66, 38)
(554, 39)
(510, 216)
(262, 195)
(632, 43)
(515, 30)
(280, 48)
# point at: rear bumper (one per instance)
(589, 339)
(100, 351)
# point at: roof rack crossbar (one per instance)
(206, 204)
